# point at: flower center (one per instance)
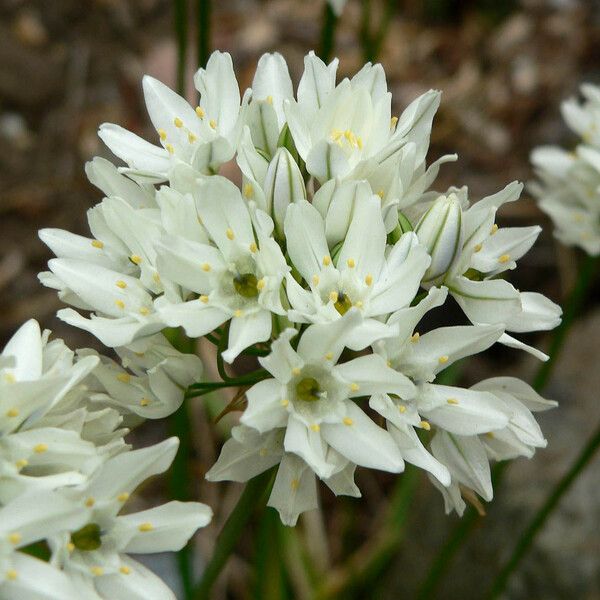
(308, 389)
(343, 303)
(87, 538)
(246, 285)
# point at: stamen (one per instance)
(494, 229)
(120, 304)
(443, 359)
(177, 122)
(40, 448)
(162, 134)
(121, 284)
(213, 123)
(125, 570)
(248, 190)
(453, 401)
(170, 148)
(144, 402)
(229, 233)
(135, 259)
(12, 412)
(425, 425)
(316, 428)
(369, 279)
(504, 258)
(348, 421)
(326, 261)
(415, 337)
(200, 112)
(124, 377)
(205, 267)
(145, 527)
(15, 538)
(97, 244)
(350, 262)
(354, 387)
(123, 497)
(315, 280)
(253, 247)
(203, 299)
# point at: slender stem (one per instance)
(204, 45)
(462, 531)
(368, 563)
(572, 309)
(543, 513)
(365, 31)
(253, 496)
(328, 33)
(181, 32)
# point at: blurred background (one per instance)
(503, 67)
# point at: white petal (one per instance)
(265, 411)
(537, 313)
(246, 331)
(294, 490)
(26, 347)
(363, 442)
(272, 79)
(308, 445)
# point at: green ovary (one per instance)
(343, 304)
(246, 285)
(308, 389)
(87, 538)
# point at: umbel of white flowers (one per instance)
(61, 436)
(568, 185)
(325, 262)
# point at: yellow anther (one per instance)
(333, 296)
(11, 574)
(284, 402)
(253, 247)
(136, 259)
(425, 425)
(263, 452)
(97, 244)
(238, 313)
(9, 377)
(296, 371)
(200, 112)
(124, 377)
(452, 401)
(477, 248)
(402, 408)
(316, 428)
(443, 359)
(121, 284)
(70, 546)
(162, 134)
(203, 299)
(213, 124)
(125, 570)
(354, 387)
(145, 527)
(229, 233)
(123, 497)
(248, 190)
(381, 193)
(15, 538)
(269, 99)
(120, 304)
(326, 261)
(260, 284)
(90, 502)
(191, 137)
(504, 258)
(177, 122)
(144, 311)
(205, 267)
(415, 337)
(97, 571)
(359, 142)
(329, 356)
(336, 134)
(490, 435)
(350, 262)
(170, 148)
(156, 277)
(358, 304)
(12, 412)
(348, 421)
(40, 448)
(294, 484)
(315, 280)
(22, 462)
(144, 402)
(393, 122)
(369, 279)
(388, 363)
(494, 229)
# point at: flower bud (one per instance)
(284, 184)
(440, 231)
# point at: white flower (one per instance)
(568, 186)
(95, 552)
(360, 272)
(22, 522)
(203, 138)
(237, 278)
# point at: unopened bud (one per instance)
(440, 231)
(284, 184)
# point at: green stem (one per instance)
(253, 496)
(204, 45)
(573, 308)
(543, 513)
(181, 30)
(328, 33)
(463, 529)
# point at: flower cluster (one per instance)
(62, 423)
(568, 186)
(324, 261)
